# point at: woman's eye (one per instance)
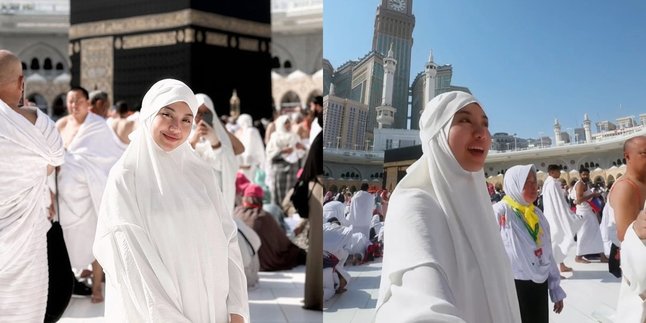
(165, 114)
(187, 121)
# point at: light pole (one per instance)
(515, 147)
(338, 142)
(540, 136)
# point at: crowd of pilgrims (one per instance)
(265, 165)
(131, 187)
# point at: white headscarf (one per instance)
(464, 200)
(225, 162)
(254, 153)
(164, 238)
(281, 138)
(515, 178)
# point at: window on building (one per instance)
(35, 64)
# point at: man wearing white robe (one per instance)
(90, 153)
(625, 208)
(361, 208)
(30, 146)
(563, 223)
(589, 236)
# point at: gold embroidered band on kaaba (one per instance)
(170, 20)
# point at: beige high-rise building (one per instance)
(344, 123)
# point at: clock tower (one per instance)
(394, 25)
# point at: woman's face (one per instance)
(469, 137)
(171, 125)
(530, 190)
(201, 111)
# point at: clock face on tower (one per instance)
(397, 5)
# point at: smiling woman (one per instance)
(172, 125)
(161, 198)
(443, 259)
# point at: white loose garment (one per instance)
(589, 236)
(225, 164)
(443, 257)
(335, 209)
(222, 159)
(529, 260)
(165, 240)
(254, 153)
(563, 222)
(81, 182)
(27, 149)
(631, 307)
(361, 208)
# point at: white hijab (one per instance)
(225, 162)
(515, 178)
(166, 242)
(281, 138)
(254, 153)
(464, 200)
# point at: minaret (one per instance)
(586, 128)
(386, 111)
(332, 90)
(431, 72)
(390, 64)
(557, 133)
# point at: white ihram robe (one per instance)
(563, 222)
(81, 182)
(631, 307)
(27, 149)
(165, 240)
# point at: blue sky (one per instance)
(528, 62)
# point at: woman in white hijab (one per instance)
(526, 236)
(217, 146)
(284, 150)
(165, 239)
(443, 258)
(254, 154)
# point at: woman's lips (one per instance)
(169, 137)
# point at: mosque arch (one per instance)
(619, 175)
(41, 51)
(599, 179)
(290, 100)
(328, 172)
(35, 64)
(275, 62)
(610, 179)
(58, 107)
(47, 64)
(351, 173)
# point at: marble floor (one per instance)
(277, 298)
(591, 295)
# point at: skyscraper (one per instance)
(394, 25)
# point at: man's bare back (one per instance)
(123, 127)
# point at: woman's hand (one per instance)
(205, 131)
(558, 307)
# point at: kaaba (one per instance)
(124, 46)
